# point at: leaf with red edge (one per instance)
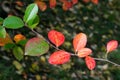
(74, 1)
(90, 62)
(59, 57)
(112, 45)
(84, 52)
(79, 41)
(67, 5)
(95, 1)
(56, 37)
(52, 3)
(42, 5)
(36, 47)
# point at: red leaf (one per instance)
(59, 57)
(79, 41)
(42, 5)
(95, 1)
(90, 62)
(112, 45)
(74, 1)
(56, 37)
(67, 5)
(84, 52)
(52, 3)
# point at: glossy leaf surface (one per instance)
(57, 38)
(33, 22)
(90, 62)
(30, 12)
(59, 57)
(79, 41)
(36, 47)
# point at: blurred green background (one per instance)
(101, 23)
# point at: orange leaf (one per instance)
(112, 45)
(42, 5)
(5, 40)
(90, 62)
(52, 3)
(79, 41)
(84, 52)
(56, 37)
(19, 37)
(95, 1)
(59, 57)
(74, 1)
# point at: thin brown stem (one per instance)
(106, 60)
(53, 45)
(39, 35)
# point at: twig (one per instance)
(39, 35)
(106, 60)
(99, 59)
(53, 45)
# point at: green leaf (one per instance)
(22, 42)
(2, 32)
(1, 20)
(9, 46)
(36, 46)
(18, 53)
(33, 22)
(30, 12)
(13, 22)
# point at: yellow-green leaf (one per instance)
(18, 53)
